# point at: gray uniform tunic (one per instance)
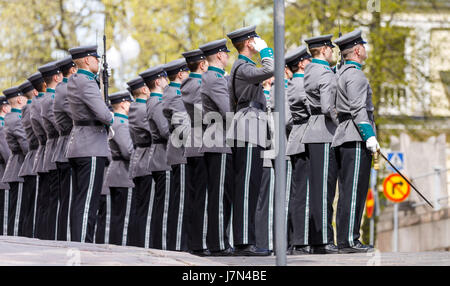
(354, 97)
(86, 104)
(159, 129)
(121, 148)
(250, 123)
(33, 143)
(50, 129)
(300, 114)
(141, 136)
(216, 100)
(38, 128)
(17, 142)
(179, 124)
(320, 87)
(190, 90)
(63, 121)
(5, 153)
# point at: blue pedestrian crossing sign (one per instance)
(397, 159)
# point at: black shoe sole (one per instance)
(352, 250)
(248, 253)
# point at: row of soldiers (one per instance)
(177, 164)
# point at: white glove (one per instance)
(372, 144)
(259, 44)
(111, 133)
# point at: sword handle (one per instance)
(376, 161)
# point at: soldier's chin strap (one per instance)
(398, 172)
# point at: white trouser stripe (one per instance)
(354, 192)
(70, 205)
(307, 213)
(270, 218)
(166, 211)
(108, 218)
(288, 191)
(35, 205)
(205, 221)
(230, 227)
(18, 205)
(325, 195)
(88, 199)
(5, 213)
(149, 216)
(181, 207)
(248, 168)
(221, 193)
(57, 214)
(95, 225)
(127, 217)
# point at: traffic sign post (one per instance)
(370, 206)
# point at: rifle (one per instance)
(105, 76)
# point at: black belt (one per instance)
(34, 146)
(118, 158)
(300, 121)
(160, 141)
(2, 162)
(17, 152)
(65, 132)
(344, 117)
(253, 104)
(316, 111)
(144, 145)
(87, 123)
(53, 136)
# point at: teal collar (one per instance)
(16, 110)
(195, 75)
(141, 100)
(2, 118)
(120, 115)
(40, 94)
(215, 69)
(88, 73)
(29, 101)
(159, 95)
(317, 61)
(175, 84)
(242, 57)
(299, 75)
(51, 90)
(65, 79)
(358, 65)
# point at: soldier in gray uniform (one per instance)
(179, 126)
(42, 179)
(64, 125)
(17, 142)
(156, 236)
(26, 171)
(88, 148)
(218, 156)
(5, 108)
(139, 169)
(320, 87)
(299, 199)
(52, 76)
(196, 174)
(356, 126)
(249, 132)
(117, 177)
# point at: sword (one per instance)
(409, 182)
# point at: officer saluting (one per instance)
(296, 62)
(356, 126)
(320, 87)
(5, 108)
(87, 150)
(249, 130)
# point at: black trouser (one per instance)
(196, 181)
(264, 217)
(29, 203)
(177, 220)
(16, 209)
(248, 166)
(53, 204)
(299, 201)
(41, 228)
(354, 161)
(120, 215)
(87, 185)
(4, 198)
(322, 183)
(160, 209)
(220, 190)
(140, 211)
(102, 223)
(65, 199)
(290, 185)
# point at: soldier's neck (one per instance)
(2, 114)
(143, 96)
(247, 53)
(157, 90)
(52, 85)
(121, 111)
(321, 57)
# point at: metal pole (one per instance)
(395, 236)
(372, 230)
(280, 162)
(437, 187)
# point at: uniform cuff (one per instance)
(266, 53)
(366, 131)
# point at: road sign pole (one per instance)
(280, 162)
(437, 188)
(372, 231)
(395, 236)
